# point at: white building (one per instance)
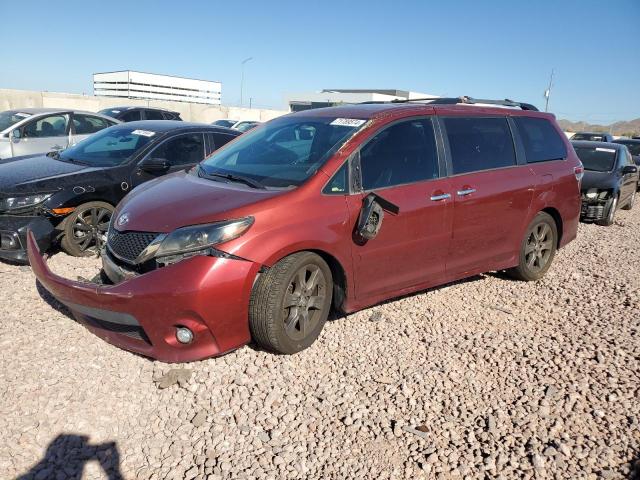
(149, 86)
(335, 96)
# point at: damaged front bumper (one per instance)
(13, 235)
(207, 295)
(595, 208)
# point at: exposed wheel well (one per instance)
(339, 278)
(556, 218)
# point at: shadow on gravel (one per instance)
(67, 455)
(52, 302)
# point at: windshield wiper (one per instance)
(231, 177)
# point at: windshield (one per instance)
(597, 159)
(243, 127)
(634, 147)
(8, 119)
(224, 123)
(109, 147)
(283, 152)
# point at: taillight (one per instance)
(579, 172)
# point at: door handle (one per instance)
(442, 196)
(467, 191)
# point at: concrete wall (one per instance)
(192, 112)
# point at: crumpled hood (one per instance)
(38, 174)
(602, 180)
(183, 199)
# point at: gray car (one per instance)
(29, 131)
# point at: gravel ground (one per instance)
(480, 379)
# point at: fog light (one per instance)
(184, 335)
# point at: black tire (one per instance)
(537, 249)
(631, 202)
(88, 222)
(286, 313)
(611, 213)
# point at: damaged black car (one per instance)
(67, 197)
(609, 182)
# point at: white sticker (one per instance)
(144, 133)
(348, 122)
(115, 111)
(610, 150)
(22, 115)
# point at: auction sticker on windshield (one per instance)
(348, 122)
(144, 133)
(610, 150)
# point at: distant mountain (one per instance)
(630, 128)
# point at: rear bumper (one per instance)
(208, 295)
(13, 235)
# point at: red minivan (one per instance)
(340, 207)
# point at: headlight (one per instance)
(592, 193)
(16, 203)
(200, 237)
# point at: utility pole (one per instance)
(250, 101)
(242, 79)
(547, 92)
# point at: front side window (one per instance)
(181, 150)
(541, 141)
(338, 183)
(403, 153)
(284, 152)
(479, 143)
(597, 159)
(154, 115)
(131, 116)
(51, 126)
(86, 124)
(109, 147)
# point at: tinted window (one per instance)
(479, 143)
(182, 150)
(597, 159)
(541, 141)
(592, 137)
(169, 116)
(338, 184)
(153, 115)
(131, 116)
(221, 139)
(403, 153)
(52, 126)
(634, 147)
(85, 124)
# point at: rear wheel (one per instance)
(86, 228)
(290, 303)
(537, 249)
(611, 213)
(631, 202)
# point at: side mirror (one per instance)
(629, 169)
(16, 134)
(372, 214)
(155, 165)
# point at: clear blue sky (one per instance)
(490, 49)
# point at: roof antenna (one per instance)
(547, 92)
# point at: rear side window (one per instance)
(153, 115)
(86, 124)
(182, 150)
(403, 153)
(131, 116)
(221, 139)
(478, 143)
(541, 141)
(169, 115)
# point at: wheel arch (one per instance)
(555, 214)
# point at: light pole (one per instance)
(242, 79)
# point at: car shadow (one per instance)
(68, 454)
(53, 302)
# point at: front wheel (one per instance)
(631, 202)
(611, 213)
(290, 303)
(537, 249)
(86, 228)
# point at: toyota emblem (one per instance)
(123, 219)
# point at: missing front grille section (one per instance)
(131, 331)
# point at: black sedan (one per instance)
(69, 196)
(609, 182)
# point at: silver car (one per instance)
(30, 131)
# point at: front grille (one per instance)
(592, 212)
(131, 331)
(128, 246)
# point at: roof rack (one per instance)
(462, 100)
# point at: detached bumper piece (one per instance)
(13, 235)
(193, 309)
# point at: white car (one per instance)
(31, 131)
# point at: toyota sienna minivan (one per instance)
(341, 207)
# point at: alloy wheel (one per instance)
(90, 228)
(539, 246)
(303, 301)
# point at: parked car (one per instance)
(245, 126)
(593, 136)
(634, 147)
(339, 207)
(224, 122)
(610, 180)
(134, 114)
(30, 131)
(69, 196)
